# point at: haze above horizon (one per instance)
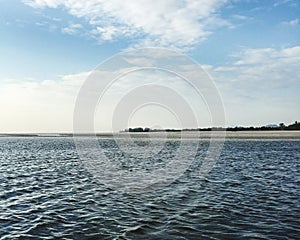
(250, 48)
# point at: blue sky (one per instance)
(250, 48)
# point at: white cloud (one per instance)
(292, 23)
(266, 66)
(73, 28)
(240, 17)
(154, 22)
(261, 82)
(45, 106)
(254, 56)
(290, 3)
(42, 3)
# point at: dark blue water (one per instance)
(251, 193)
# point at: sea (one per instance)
(251, 192)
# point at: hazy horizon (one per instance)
(144, 126)
(250, 50)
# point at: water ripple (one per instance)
(251, 193)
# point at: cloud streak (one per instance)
(147, 22)
(260, 82)
(292, 23)
(73, 28)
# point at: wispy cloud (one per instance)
(150, 22)
(260, 82)
(292, 23)
(290, 3)
(240, 17)
(254, 83)
(263, 67)
(45, 106)
(73, 28)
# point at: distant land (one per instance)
(270, 127)
(280, 131)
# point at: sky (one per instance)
(250, 48)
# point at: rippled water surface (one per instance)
(251, 193)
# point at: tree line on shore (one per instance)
(281, 126)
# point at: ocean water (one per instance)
(252, 192)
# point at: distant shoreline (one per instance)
(295, 134)
(270, 127)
